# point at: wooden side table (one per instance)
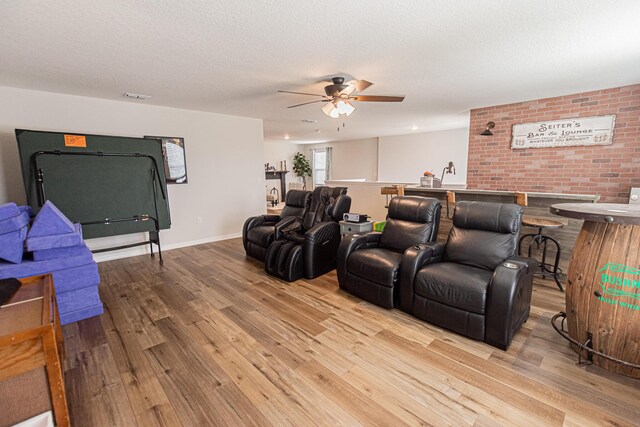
(603, 286)
(31, 354)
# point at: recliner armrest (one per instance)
(321, 248)
(351, 243)
(413, 259)
(508, 299)
(271, 218)
(372, 239)
(321, 232)
(288, 223)
(255, 221)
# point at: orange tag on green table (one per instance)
(75, 141)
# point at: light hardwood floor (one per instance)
(210, 339)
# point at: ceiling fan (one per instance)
(338, 97)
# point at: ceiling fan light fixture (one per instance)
(338, 94)
(328, 108)
(335, 109)
(350, 89)
(345, 107)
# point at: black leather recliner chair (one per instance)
(310, 250)
(369, 264)
(259, 232)
(474, 284)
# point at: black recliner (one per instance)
(474, 284)
(259, 232)
(310, 249)
(369, 264)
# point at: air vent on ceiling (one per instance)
(136, 96)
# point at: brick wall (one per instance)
(608, 170)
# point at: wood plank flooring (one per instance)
(210, 339)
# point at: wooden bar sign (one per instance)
(596, 130)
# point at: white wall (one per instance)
(354, 159)
(224, 157)
(366, 197)
(274, 152)
(404, 158)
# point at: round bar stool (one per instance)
(394, 190)
(541, 240)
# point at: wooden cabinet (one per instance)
(31, 354)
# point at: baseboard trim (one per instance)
(144, 250)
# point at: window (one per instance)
(319, 167)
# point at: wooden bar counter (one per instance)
(539, 204)
(603, 285)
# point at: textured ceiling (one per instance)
(446, 56)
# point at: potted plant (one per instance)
(301, 167)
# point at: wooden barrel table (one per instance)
(603, 285)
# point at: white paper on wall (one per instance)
(175, 161)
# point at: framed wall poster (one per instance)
(595, 130)
(175, 158)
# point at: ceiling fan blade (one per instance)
(355, 86)
(377, 98)
(300, 93)
(305, 103)
(360, 84)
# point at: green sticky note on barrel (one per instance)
(50, 221)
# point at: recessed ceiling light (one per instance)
(287, 137)
(318, 130)
(309, 121)
(414, 127)
(136, 96)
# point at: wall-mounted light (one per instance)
(487, 131)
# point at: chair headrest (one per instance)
(338, 191)
(316, 195)
(488, 216)
(326, 207)
(339, 207)
(321, 197)
(297, 198)
(414, 209)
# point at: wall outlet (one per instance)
(634, 197)
(198, 220)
